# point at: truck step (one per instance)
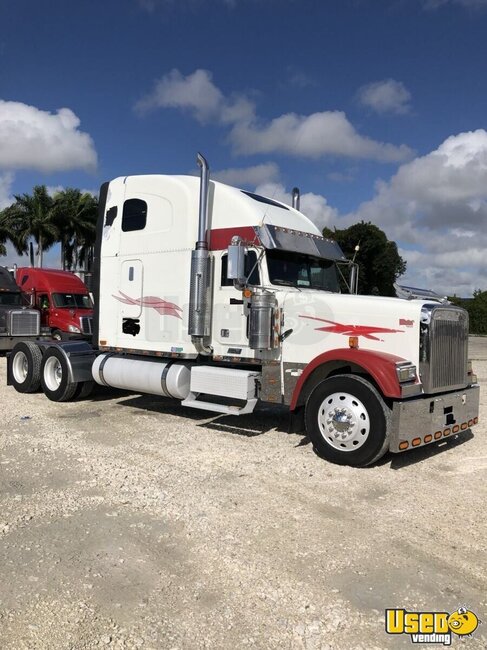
(195, 403)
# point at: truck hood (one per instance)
(323, 321)
(68, 316)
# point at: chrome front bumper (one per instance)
(417, 422)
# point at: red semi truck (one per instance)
(62, 298)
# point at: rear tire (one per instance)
(25, 364)
(347, 421)
(55, 379)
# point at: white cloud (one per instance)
(312, 205)
(310, 136)
(313, 136)
(35, 139)
(197, 94)
(245, 176)
(6, 198)
(436, 206)
(387, 96)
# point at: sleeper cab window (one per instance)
(134, 215)
(250, 265)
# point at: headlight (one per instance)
(405, 372)
(73, 328)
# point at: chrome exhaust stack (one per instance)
(296, 198)
(199, 323)
(203, 213)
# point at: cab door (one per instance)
(230, 324)
(131, 287)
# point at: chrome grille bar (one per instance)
(24, 323)
(444, 360)
(86, 323)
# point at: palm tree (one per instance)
(4, 233)
(75, 214)
(31, 216)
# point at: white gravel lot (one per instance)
(130, 522)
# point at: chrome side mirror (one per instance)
(236, 261)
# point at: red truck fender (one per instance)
(381, 366)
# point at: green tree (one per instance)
(31, 216)
(4, 233)
(477, 311)
(380, 264)
(75, 214)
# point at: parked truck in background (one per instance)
(17, 321)
(63, 301)
(254, 312)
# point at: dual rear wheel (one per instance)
(31, 370)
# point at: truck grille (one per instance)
(444, 349)
(86, 323)
(24, 323)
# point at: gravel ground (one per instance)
(129, 522)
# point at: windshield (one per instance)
(10, 299)
(302, 271)
(72, 300)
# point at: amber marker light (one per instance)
(353, 342)
(403, 445)
(416, 442)
(247, 293)
(464, 426)
(428, 438)
(470, 422)
(475, 420)
(446, 432)
(438, 435)
(456, 428)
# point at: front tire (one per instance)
(347, 421)
(57, 335)
(55, 379)
(25, 360)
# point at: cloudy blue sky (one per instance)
(376, 109)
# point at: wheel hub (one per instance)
(20, 367)
(53, 373)
(341, 421)
(344, 421)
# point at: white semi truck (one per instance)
(254, 312)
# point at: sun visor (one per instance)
(286, 239)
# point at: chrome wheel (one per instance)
(53, 373)
(25, 367)
(20, 367)
(344, 421)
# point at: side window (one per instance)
(250, 265)
(134, 216)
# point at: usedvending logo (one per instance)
(432, 627)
